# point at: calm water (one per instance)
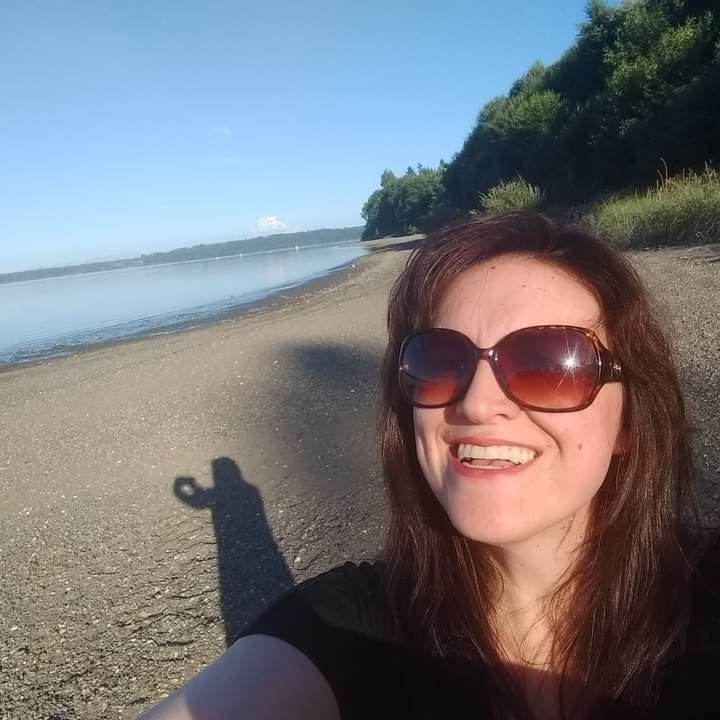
(40, 318)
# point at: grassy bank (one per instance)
(679, 210)
(683, 210)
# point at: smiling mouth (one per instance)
(492, 458)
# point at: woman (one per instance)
(544, 557)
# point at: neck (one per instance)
(532, 569)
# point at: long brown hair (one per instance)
(629, 587)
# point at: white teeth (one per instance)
(513, 453)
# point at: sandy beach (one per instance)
(159, 492)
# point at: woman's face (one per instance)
(486, 302)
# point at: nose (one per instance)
(485, 399)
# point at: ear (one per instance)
(621, 443)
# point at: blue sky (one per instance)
(132, 126)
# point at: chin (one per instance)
(497, 530)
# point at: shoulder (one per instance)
(337, 620)
(347, 597)
(690, 686)
(708, 552)
(704, 629)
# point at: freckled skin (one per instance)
(576, 447)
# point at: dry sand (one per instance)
(157, 493)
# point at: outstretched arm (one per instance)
(258, 678)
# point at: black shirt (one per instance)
(336, 620)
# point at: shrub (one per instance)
(683, 210)
(517, 194)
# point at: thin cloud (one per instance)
(221, 130)
(271, 224)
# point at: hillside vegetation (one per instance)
(634, 94)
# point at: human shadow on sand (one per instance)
(251, 569)
(326, 415)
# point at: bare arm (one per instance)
(258, 678)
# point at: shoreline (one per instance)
(273, 300)
(279, 299)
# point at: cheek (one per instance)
(427, 440)
(611, 417)
(589, 441)
(420, 428)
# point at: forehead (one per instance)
(495, 297)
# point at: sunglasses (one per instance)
(553, 368)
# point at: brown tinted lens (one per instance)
(435, 367)
(551, 369)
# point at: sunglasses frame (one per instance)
(609, 369)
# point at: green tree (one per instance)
(635, 87)
(413, 202)
(638, 85)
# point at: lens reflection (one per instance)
(550, 369)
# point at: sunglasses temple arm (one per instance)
(611, 368)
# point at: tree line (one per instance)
(280, 241)
(636, 90)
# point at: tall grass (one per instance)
(682, 210)
(516, 194)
